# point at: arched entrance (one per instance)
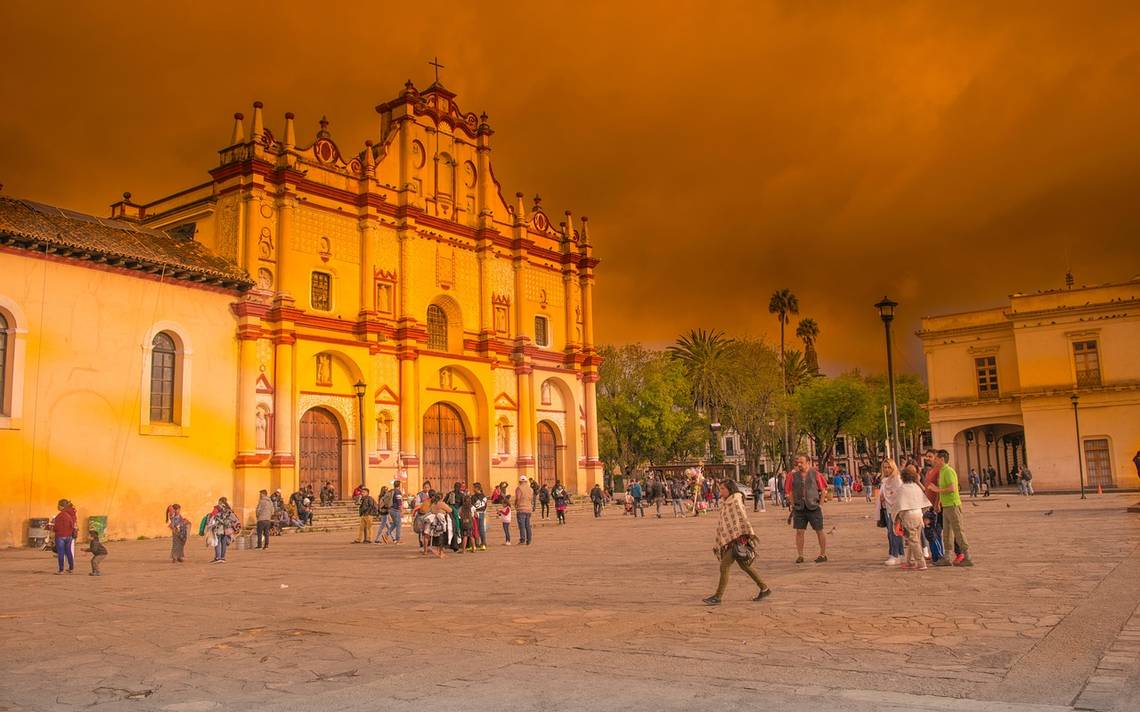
(994, 450)
(320, 449)
(548, 465)
(445, 447)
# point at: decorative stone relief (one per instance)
(265, 244)
(228, 228)
(324, 370)
(314, 227)
(344, 405)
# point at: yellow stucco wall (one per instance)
(80, 434)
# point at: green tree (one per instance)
(796, 371)
(706, 357)
(808, 331)
(754, 399)
(645, 415)
(870, 429)
(825, 407)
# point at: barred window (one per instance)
(162, 365)
(1087, 360)
(321, 293)
(986, 370)
(437, 328)
(541, 332)
(3, 363)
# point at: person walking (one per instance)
(635, 493)
(504, 513)
(973, 479)
(657, 494)
(97, 550)
(869, 484)
(597, 498)
(735, 542)
(544, 501)
(264, 516)
(384, 507)
(366, 509)
(756, 482)
(561, 501)
(1026, 482)
(179, 533)
(804, 489)
(222, 524)
(888, 509)
(524, 507)
(454, 499)
(953, 527)
(64, 526)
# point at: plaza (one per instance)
(599, 614)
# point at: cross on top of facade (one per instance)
(435, 63)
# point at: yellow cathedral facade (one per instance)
(314, 312)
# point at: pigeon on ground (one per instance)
(1007, 504)
(1048, 513)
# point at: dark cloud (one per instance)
(946, 154)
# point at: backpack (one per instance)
(202, 526)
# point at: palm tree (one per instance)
(783, 303)
(705, 356)
(796, 370)
(808, 330)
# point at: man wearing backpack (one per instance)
(368, 510)
(635, 492)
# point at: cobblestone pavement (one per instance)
(596, 615)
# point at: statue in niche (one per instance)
(264, 279)
(544, 393)
(324, 369)
(261, 426)
(445, 381)
(577, 313)
(382, 432)
(503, 437)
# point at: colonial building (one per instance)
(315, 311)
(1010, 386)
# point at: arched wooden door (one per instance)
(320, 450)
(445, 447)
(547, 455)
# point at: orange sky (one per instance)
(944, 153)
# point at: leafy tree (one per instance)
(645, 413)
(754, 399)
(706, 357)
(808, 331)
(825, 407)
(796, 371)
(870, 429)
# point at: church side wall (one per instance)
(81, 435)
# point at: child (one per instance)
(98, 552)
(467, 524)
(179, 531)
(910, 502)
(505, 518)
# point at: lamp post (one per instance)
(1077, 420)
(887, 314)
(359, 387)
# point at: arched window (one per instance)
(3, 364)
(437, 328)
(162, 370)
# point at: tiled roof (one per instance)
(45, 228)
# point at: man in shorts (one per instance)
(804, 487)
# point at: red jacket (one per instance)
(65, 523)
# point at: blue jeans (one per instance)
(524, 527)
(507, 531)
(220, 547)
(62, 550)
(395, 523)
(894, 542)
(381, 527)
(481, 525)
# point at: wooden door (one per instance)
(320, 450)
(445, 447)
(547, 455)
(1098, 463)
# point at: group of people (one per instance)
(988, 478)
(921, 508)
(65, 530)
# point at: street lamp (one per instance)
(359, 387)
(1077, 420)
(887, 314)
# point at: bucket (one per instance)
(97, 524)
(38, 532)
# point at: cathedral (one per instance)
(316, 311)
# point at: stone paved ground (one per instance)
(596, 615)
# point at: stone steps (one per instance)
(343, 515)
